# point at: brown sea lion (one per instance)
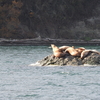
(57, 52)
(80, 50)
(85, 53)
(63, 48)
(95, 51)
(72, 51)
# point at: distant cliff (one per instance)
(64, 19)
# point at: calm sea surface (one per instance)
(19, 81)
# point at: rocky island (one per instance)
(78, 56)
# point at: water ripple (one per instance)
(18, 81)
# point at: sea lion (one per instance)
(85, 53)
(57, 52)
(80, 50)
(72, 51)
(95, 51)
(63, 48)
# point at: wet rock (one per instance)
(91, 59)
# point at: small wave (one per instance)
(38, 64)
(35, 64)
(89, 65)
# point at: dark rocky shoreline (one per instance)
(47, 41)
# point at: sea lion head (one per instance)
(53, 46)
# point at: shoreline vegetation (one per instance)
(54, 19)
(47, 41)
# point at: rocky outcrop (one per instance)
(91, 59)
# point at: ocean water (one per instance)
(19, 81)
